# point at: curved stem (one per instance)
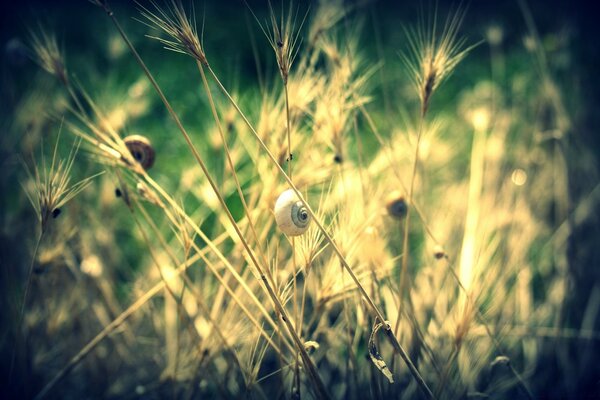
(22, 312)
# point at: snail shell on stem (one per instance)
(290, 214)
(141, 149)
(396, 205)
(438, 252)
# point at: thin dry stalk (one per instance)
(284, 44)
(179, 298)
(108, 330)
(235, 297)
(388, 330)
(52, 189)
(431, 59)
(306, 359)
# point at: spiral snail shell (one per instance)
(291, 215)
(396, 205)
(141, 149)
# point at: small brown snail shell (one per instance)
(396, 205)
(141, 149)
(438, 252)
(291, 215)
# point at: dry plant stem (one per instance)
(171, 363)
(238, 187)
(388, 330)
(288, 128)
(404, 270)
(403, 287)
(495, 341)
(298, 321)
(229, 267)
(419, 335)
(468, 262)
(24, 302)
(232, 166)
(301, 319)
(69, 88)
(351, 359)
(295, 290)
(395, 168)
(312, 372)
(302, 302)
(108, 330)
(413, 205)
(188, 283)
(119, 320)
(446, 372)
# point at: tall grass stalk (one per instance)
(394, 341)
(229, 267)
(468, 256)
(403, 287)
(430, 60)
(377, 313)
(179, 298)
(91, 345)
(312, 372)
(23, 304)
(171, 202)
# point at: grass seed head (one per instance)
(283, 38)
(174, 21)
(326, 16)
(48, 55)
(431, 58)
(52, 187)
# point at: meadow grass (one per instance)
(435, 264)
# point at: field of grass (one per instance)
(323, 199)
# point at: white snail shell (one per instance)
(291, 215)
(141, 149)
